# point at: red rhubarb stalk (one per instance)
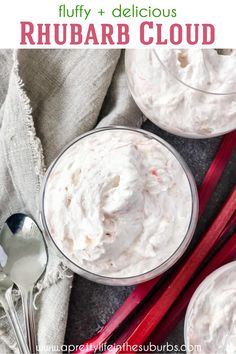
(133, 300)
(216, 169)
(223, 256)
(184, 274)
(176, 313)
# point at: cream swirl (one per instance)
(118, 203)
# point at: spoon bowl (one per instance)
(24, 259)
(25, 250)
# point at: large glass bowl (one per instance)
(141, 277)
(205, 285)
(188, 105)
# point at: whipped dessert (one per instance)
(211, 318)
(118, 203)
(159, 87)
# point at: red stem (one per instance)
(223, 256)
(177, 311)
(133, 300)
(216, 169)
(184, 275)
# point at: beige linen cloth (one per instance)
(48, 98)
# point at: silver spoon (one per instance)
(7, 303)
(26, 260)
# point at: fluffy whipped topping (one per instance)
(211, 323)
(176, 107)
(118, 203)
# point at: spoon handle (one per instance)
(28, 313)
(9, 308)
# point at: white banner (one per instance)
(114, 23)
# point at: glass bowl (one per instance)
(203, 287)
(193, 101)
(70, 263)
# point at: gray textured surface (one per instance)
(92, 304)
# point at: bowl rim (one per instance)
(161, 268)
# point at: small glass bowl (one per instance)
(146, 67)
(200, 290)
(137, 278)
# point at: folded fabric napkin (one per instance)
(48, 98)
